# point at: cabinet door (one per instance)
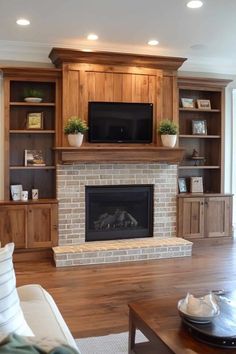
(13, 225)
(42, 225)
(218, 216)
(191, 216)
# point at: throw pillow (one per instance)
(11, 316)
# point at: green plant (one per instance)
(30, 92)
(75, 125)
(167, 127)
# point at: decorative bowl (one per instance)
(193, 318)
(33, 99)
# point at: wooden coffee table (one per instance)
(159, 321)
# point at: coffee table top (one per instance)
(161, 317)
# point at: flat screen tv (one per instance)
(113, 122)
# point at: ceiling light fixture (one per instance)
(153, 42)
(23, 22)
(194, 4)
(92, 37)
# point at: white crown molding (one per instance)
(38, 53)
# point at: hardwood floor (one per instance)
(93, 299)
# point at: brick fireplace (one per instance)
(72, 180)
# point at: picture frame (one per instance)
(196, 185)
(199, 127)
(188, 102)
(203, 104)
(34, 158)
(34, 120)
(182, 185)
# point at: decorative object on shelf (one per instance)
(34, 120)
(75, 129)
(33, 95)
(35, 194)
(204, 104)
(188, 102)
(196, 185)
(182, 185)
(24, 196)
(197, 159)
(168, 131)
(199, 127)
(34, 158)
(16, 190)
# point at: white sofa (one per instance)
(43, 316)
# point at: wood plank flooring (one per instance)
(93, 299)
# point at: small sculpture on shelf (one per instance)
(198, 160)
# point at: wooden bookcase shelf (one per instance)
(27, 131)
(32, 167)
(197, 110)
(26, 104)
(19, 138)
(208, 215)
(191, 136)
(209, 146)
(31, 224)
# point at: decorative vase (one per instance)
(75, 139)
(168, 140)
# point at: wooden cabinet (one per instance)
(30, 224)
(20, 136)
(208, 143)
(205, 216)
(13, 224)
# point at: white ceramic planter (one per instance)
(75, 139)
(168, 140)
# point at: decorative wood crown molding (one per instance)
(202, 82)
(30, 72)
(61, 55)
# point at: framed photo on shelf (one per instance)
(187, 102)
(182, 185)
(34, 158)
(199, 127)
(204, 104)
(34, 120)
(196, 185)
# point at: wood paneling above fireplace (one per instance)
(117, 77)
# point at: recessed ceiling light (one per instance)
(87, 50)
(23, 22)
(153, 42)
(92, 37)
(194, 4)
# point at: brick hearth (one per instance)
(121, 251)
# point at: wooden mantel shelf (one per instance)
(127, 154)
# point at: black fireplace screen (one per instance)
(119, 212)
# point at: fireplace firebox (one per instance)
(118, 212)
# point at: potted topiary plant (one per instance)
(75, 129)
(168, 131)
(33, 95)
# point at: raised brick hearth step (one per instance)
(121, 251)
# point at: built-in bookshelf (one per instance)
(20, 136)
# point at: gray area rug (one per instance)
(110, 344)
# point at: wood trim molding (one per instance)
(62, 55)
(93, 154)
(202, 82)
(30, 72)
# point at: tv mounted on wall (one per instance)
(116, 122)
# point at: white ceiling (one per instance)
(206, 36)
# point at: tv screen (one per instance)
(112, 122)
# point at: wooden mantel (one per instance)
(126, 154)
(62, 55)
